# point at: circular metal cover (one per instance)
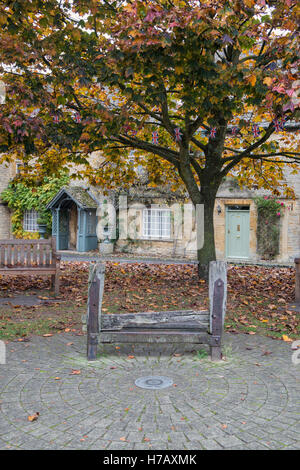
(155, 382)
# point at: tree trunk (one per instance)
(210, 180)
(208, 252)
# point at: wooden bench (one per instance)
(185, 326)
(29, 257)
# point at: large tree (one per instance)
(200, 74)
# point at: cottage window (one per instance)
(19, 167)
(30, 221)
(157, 223)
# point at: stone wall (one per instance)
(6, 173)
(293, 224)
(229, 194)
(181, 243)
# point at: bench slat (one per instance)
(25, 242)
(34, 254)
(150, 336)
(15, 255)
(47, 255)
(8, 255)
(26, 254)
(27, 271)
(2, 255)
(166, 319)
(22, 255)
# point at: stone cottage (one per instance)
(235, 219)
(158, 222)
(161, 223)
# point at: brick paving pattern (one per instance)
(249, 401)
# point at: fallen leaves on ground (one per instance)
(33, 417)
(258, 297)
(286, 338)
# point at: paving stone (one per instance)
(230, 405)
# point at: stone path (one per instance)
(118, 258)
(68, 255)
(27, 300)
(294, 306)
(249, 401)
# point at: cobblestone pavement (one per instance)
(27, 300)
(249, 401)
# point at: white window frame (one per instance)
(30, 218)
(19, 167)
(155, 226)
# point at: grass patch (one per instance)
(202, 354)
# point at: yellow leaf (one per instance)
(286, 338)
(252, 79)
(3, 19)
(134, 33)
(33, 417)
(179, 69)
(268, 81)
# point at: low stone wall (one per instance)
(156, 248)
(5, 222)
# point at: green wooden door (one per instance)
(237, 233)
(81, 230)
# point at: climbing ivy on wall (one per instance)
(269, 213)
(21, 197)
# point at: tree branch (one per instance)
(169, 155)
(198, 144)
